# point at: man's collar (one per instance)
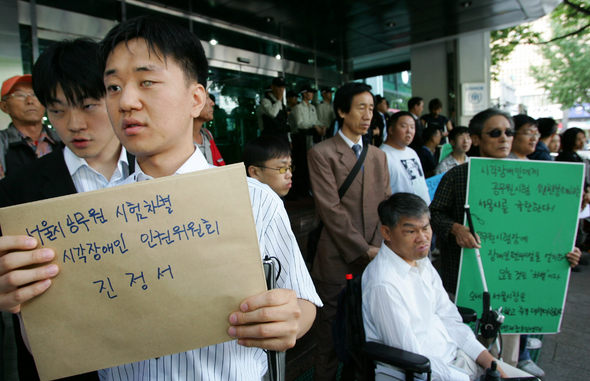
(74, 162)
(349, 142)
(402, 267)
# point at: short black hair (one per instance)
(547, 127)
(344, 95)
(434, 104)
(401, 205)
(164, 39)
(395, 117)
(264, 148)
(379, 99)
(568, 138)
(476, 123)
(74, 66)
(212, 97)
(521, 120)
(429, 132)
(414, 101)
(455, 132)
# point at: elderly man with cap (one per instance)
(273, 110)
(25, 139)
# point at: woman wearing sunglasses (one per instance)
(492, 131)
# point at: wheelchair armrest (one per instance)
(467, 314)
(396, 357)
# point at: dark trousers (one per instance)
(326, 362)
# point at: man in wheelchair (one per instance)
(405, 305)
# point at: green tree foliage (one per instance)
(503, 42)
(566, 73)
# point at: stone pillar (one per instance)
(473, 71)
(429, 74)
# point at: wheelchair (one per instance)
(362, 355)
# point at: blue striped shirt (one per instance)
(230, 361)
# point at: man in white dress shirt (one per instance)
(152, 67)
(71, 87)
(406, 306)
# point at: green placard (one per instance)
(445, 151)
(526, 214)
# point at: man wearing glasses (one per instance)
(25, 139)
(268, 160)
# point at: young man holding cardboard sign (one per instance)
(152, 67)
(71, 88)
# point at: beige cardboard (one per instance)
(75, 328)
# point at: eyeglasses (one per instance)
(496, 132)
(281, 170)
(530, 134)
(21, 95)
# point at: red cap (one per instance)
(10, 82)
(348, 276)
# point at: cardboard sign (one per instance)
(526, 215)
(146, 269)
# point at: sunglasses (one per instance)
(496, 132)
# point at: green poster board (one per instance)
(445, 151)
(526, 215)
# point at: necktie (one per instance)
(357, 150)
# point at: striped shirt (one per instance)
(230, 361)
(87, 179)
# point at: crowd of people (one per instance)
(134, 106)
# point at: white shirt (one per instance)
(405, 172)
(304, 116)
(87, 179)
(448, 163)
(408, 308)
(270, 108)
(325, 113)
(349, 142)
(230, 361)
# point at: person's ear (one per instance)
(199, 98)
(254, 172)
(342, 114)
(475, 140)
(4, 106)
(386, 233)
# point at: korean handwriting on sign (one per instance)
(503, 170)
(154, 237)
(75, 222)
(534, 207)
(94, 250)
(510, 189)
(134, 280)
(557, 190)
(506, 237)
(141, 210)
(102, 288)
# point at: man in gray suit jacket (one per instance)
(351, 236)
